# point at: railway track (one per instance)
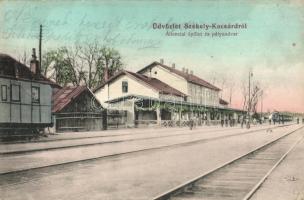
(239, 178)
(27, 151)
(91, 158)
(103, 142)
(93, 136)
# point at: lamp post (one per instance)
(249, 99)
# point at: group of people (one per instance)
(228, 122)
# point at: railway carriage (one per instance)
(25, 97)
(280, 117)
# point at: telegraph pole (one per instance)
(40, 44)
(262, 103)
(249, 101)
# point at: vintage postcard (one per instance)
(152, 99)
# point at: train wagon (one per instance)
(25, 97)
(280, 117)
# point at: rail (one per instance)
(190, 187)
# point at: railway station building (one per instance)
(163, 95)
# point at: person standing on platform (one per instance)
(222, 121)
(242, 121)
(191, 124)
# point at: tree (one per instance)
(102, 63)
(60, 65)
(254, 99)
(85, 64)
(245, 96)
(250, 104)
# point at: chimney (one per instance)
(16, 70)
(187, 71)
(183, 69)
(34, 64)
(191, 72)
(173, 65)
(161, 61)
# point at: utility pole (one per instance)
(261, 116)
(249, 99)
(261, 102)
(230, 96)
(40, 44)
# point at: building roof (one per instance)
(61, 98)
(189, 77)
(11, 68)
(156, 84)
(223, 102)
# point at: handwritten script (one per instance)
(23, 23)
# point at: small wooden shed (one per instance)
(75, 108)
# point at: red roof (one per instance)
(223, 102)
(189, 77)
(9, 67)
(156, 84)
(64, 96)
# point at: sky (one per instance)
(271, 46)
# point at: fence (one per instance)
(116, 119)
(174, 123)
(90, 121)
(78, 121)
(145, 123)
(183, 123)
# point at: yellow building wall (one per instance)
(169, 78)
(114, 89)
(202, 95)
(196, 93)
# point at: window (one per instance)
(15, 92)
(124, 87)
(155, 72)
(35, 94)
(3, 92)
